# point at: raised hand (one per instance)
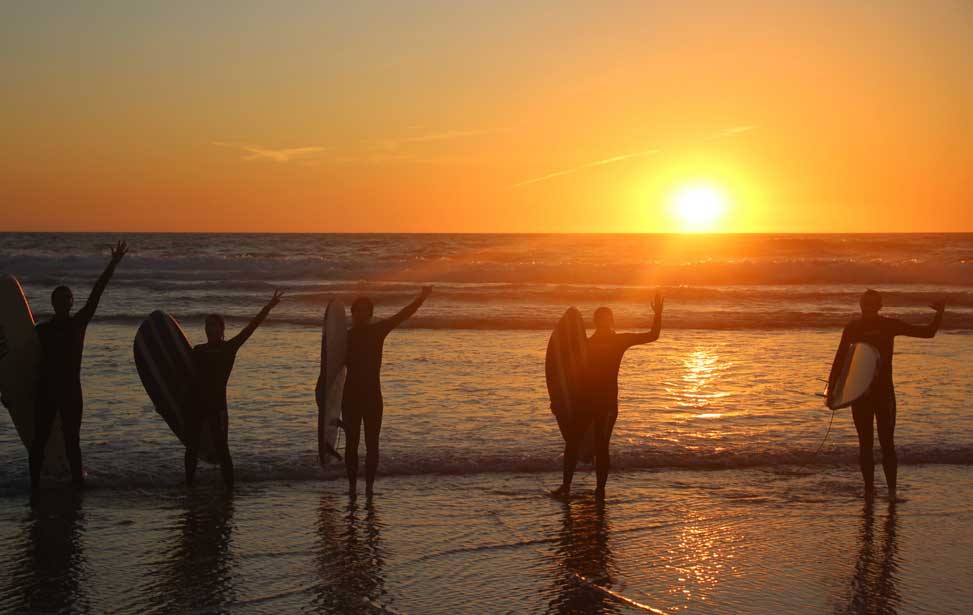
(278, 295)
(426, 291)
(939, 306)
(119, 251)
(657, 302)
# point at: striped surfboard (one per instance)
(163, 357)
(20, 359)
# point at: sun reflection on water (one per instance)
(698, 386)
(701, 556)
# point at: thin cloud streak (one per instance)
(587, 165)
(732, 131)
(444, 136)
(722, 134)
(283, 155)
(376, 151)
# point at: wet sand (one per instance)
(733, 541)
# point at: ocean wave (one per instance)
(573, 294)
(709, 320)
(305, 468)
(780, 270)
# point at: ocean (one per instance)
(719, 431)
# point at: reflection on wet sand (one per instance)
(197, 573)
(585, 561)
(351, 558)
(49, 577)
(872, 590)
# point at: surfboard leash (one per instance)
(827, 432)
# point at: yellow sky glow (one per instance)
(502, 117)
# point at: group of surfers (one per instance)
(59, 390)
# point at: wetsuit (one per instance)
(877, 407)
(59, 390)
(59, 382)
(208, 409)
(600, 407)
(361, 402)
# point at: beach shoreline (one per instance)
(676, 541)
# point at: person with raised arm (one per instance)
(213, 361)
(605, 350)
(362, 402)
(877, 407)
(59, 382)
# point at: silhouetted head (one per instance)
(215, 327)
(604, 319)
(63, 300)
(871, 302)
(361, 311)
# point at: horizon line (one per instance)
(538, 233)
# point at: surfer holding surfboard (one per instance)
(877, 406)
(598, 394)
(59, 383)
(207, 416)
(362, 397)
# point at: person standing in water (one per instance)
(877, 407)
(605, 350)
(361, 401)
(214, 362)
(59, 385)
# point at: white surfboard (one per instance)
(20, 358)
(331, 381)
(564, 368)
(854, 377)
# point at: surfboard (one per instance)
(854, 377)
(20, 358)
(163, 358)
(564, 367)
(331, 380)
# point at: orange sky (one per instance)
(430, 116)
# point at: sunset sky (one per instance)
(546, 116)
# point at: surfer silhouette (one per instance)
(362, 402)
(214, 362)
(605, 350)
(877, 407)
(59, 383)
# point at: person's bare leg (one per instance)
(570, 463)
(602, 459)
(352, 425)
(226, 467)
(71, 427)
(372, 420)
(44, 413)
(219, 436)
(863, 416)
(191, 459)
(885, 419)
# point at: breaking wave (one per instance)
(305, 468)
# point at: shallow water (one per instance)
(465, 401)
(511, 281)
(754, 541)
(469, 444)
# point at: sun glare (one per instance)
(699, 207)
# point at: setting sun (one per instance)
(593, 262)
(699, 207)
